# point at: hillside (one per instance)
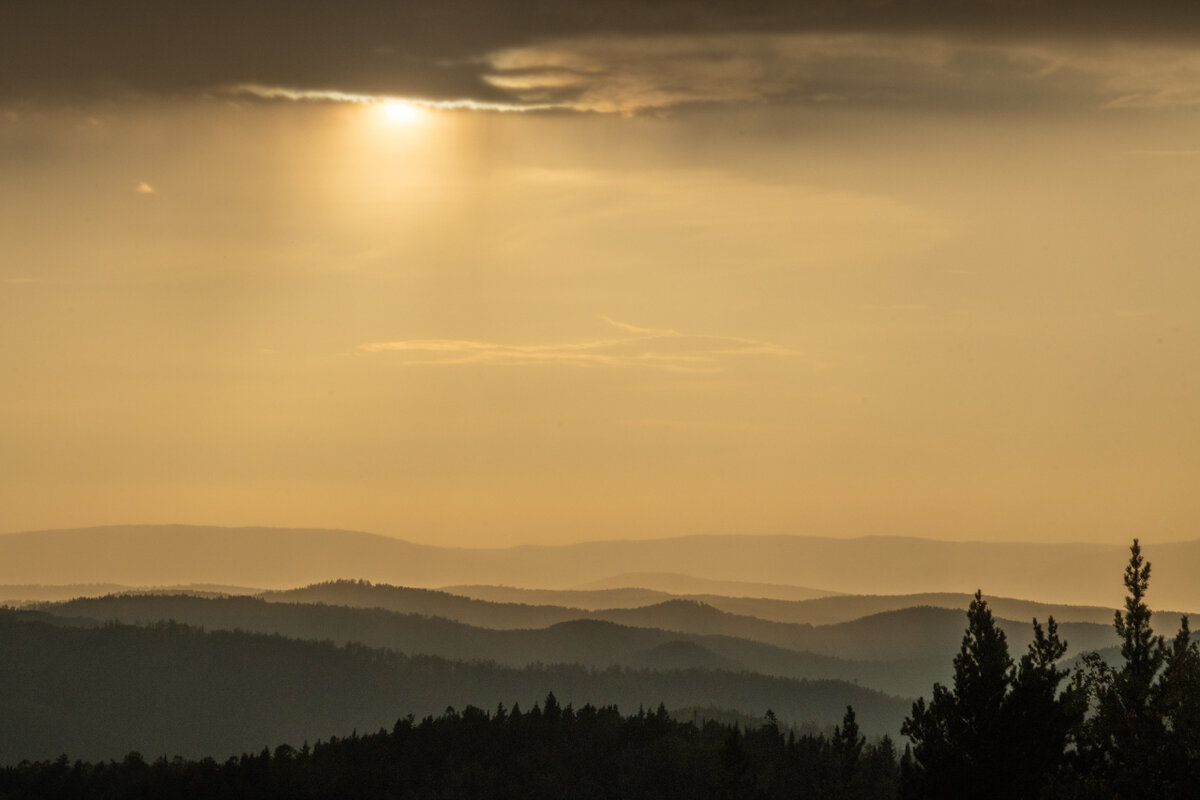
(169, 689)
(815, 611)
(898, 652)
(429, 602)
(899, 634)
(590, 642)
(843, 608)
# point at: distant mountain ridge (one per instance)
(677, 584)
(19, 594)
(1088, 574)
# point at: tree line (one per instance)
(551, 752)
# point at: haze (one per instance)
(481, 278)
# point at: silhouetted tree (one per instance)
(1144, 738)
(847, 744)
(1119, 744)
(1039, 716)
(1176, 697)
(957, 738)
(1002, 730)
(845, 754)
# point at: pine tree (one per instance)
(958, 738)
(1040, 717)
(1120, 745)
(1002, 731)
(847, 744)
(1176, 698)
(846, 752)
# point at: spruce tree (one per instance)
(1040, 717)
(1176, 698)
(1120, 746)
(959, 737)
(845, 753)
(1002, 731)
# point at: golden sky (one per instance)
(480, 274)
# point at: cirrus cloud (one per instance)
(639, 347)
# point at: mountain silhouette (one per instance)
(1085, 574)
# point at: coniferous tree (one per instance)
(846, 753)
(1176, 697)
(958, 738)
(1002, 730)
(1120, 745)
(1040, 717)
(847, 744)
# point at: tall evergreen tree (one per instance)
(1176, 697)
(1120, 745)
(846, 754)
(1040, 717)
(1002, 731)
(959, 737)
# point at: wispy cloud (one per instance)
(264, 92)
(639, 73)
(646, 348)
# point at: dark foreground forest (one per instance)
(547, 752)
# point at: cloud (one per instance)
(646, 348)
(256, 91)
(637, 74)
(598, 55)
(144, 188)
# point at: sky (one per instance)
(492, 273)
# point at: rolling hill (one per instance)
(169, 689)
(896, 634)
(901, 652)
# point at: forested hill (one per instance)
(895, 635)
(169, 689)
(813, 611)
(592, 643)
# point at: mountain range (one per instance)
(283, 558)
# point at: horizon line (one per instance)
(587, 542)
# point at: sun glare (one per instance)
(399, 112)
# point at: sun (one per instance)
(399, 112)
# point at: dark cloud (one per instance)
(442, 49)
